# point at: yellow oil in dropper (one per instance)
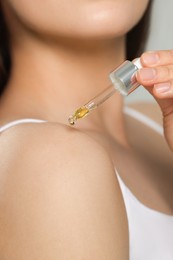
(92, 104)
(79, 113)
(123, 79)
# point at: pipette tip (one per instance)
(79, 113)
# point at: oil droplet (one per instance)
(71, 120)
(79, 113)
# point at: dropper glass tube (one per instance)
(92, 104)
(123, 79)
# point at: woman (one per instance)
(63, 189)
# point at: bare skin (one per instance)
(50, 78)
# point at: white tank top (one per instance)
(150, 231)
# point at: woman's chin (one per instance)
(104, 29)
(102, 20)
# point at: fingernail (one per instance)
(162, 87)
(150, 58)
(147, 74)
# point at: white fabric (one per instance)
(20, 121)
(144, 119)
(150, 231)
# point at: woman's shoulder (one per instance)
(52, 141)
(40, 137)
(64, 183)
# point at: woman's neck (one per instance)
(51, 80)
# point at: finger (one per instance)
(163, 96)
(157, 58)
(151, 76)
(163, 90)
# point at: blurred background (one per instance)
(160, 38)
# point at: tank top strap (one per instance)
(20, 121)
(143, 119)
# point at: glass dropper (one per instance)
(123, 79)
(92, 104)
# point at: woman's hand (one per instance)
(157, 78)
